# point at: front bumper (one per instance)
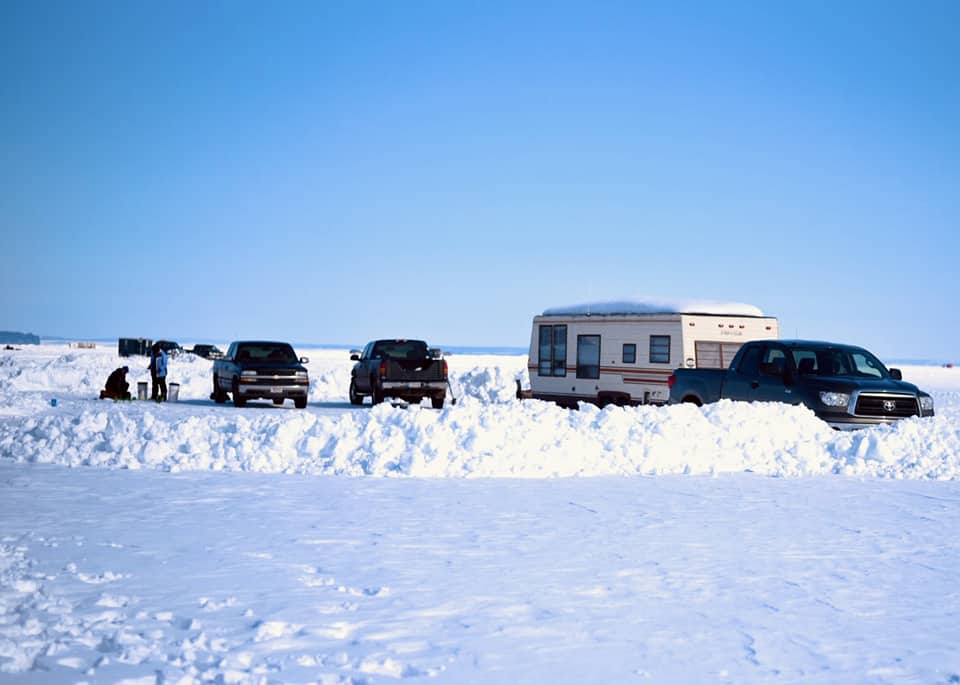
(852, 423)
(261, 390)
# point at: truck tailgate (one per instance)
(414, 370)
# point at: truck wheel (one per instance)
(690, 399)
(437, 402)
(237, 400)
(355, 399)
(219, 396)
(377, 396)
(300, 402)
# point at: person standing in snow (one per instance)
(161, 367)
(153, 370)
(158, 373)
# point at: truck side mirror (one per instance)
(354, 357)
(304, 360)
(896, 375)
(435, 353)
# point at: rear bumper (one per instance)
(427, 386)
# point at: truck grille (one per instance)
(276, 372)
(894, 406)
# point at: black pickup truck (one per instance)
(845, 386)
(406, 369)
(258, 369)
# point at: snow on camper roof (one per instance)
(656, 306)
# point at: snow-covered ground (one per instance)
(263, 544)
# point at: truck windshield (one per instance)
(835, 361)
(266, 352)
(400, 349)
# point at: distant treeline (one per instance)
(8, 337)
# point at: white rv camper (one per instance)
(623, 352)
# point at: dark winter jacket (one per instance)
(117, 382)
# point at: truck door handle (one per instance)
(754, 384)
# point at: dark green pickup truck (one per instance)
(846, 386)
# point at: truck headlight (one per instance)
(926, 403)
(835, 399)
(248, 374)
(301, 375)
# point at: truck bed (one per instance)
(700, 386)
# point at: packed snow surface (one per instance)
(645, 305)
(207, 544)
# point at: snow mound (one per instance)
(644, 305)
(511, 439)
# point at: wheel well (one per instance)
(693, 399)
(606, 397)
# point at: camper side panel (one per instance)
(711, 342)
(604, 359)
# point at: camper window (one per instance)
(553, 351)
(629, 353)
(588, 356)
(659, 349)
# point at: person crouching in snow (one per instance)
(117, 387)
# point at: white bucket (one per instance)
(141, 390)
(173, 392)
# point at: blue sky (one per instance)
(335, 172)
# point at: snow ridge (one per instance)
(513, 439)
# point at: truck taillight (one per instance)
(671, 381)
(446, 369)
(383, 368)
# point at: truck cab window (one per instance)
(774, 362)
(750, 363)
(867, 366)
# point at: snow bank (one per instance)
(644, 305)
(514, 439)
(487, 434)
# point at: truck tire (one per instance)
(219, 396)
(437, 402)
(278, 401)
(355, 398)
(237, 400)
(300, 402)
(690, 399)
(377, 396)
